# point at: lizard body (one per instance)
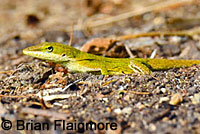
(78, 61)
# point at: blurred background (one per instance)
(27, 16)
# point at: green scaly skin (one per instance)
(78, 61)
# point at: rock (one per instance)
(127, 110)
(196, 98)
(162, 99)
(140, 106)
(176, 99)
(118, 111)
(163, 90)
(152, 127)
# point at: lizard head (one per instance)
(52, 51)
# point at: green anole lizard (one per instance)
(78, 61)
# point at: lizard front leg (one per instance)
(138, 67)
(104, 71)
(113, 71)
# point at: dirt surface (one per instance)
(36, 91)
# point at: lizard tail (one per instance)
(164, 64)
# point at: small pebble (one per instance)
(175, 40)
(176, 99)
(152, 127)
(162, 99)
(133, 124)
(196, 98)
(164, 90)
(127, 97)
(105, 99)
(65, 106)
(108, 109)
(127, 110)
(140, 106)
(118, 111)
(165, 119)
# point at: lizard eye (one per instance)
(50, 49)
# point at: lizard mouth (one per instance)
(32, 48)
(35, 51)
(37, 54)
